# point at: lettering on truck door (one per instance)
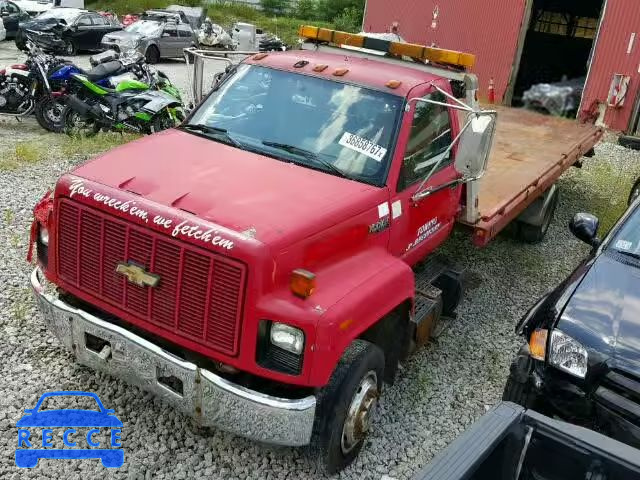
(419, 227)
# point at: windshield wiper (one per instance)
(308, 155)
(629, 254)
(221, 132)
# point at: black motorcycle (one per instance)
(23, 85)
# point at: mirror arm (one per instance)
(450, 97)
(448, 150)
(443, 104)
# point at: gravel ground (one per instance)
(440, 391)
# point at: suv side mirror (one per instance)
(585, 227)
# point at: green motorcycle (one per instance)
(133, 105)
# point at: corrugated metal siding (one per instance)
(621, 19)
(487, 28)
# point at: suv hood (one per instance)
(604, 312)
(279, 203)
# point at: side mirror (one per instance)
(475, 144)
(585, 227)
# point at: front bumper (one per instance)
(210, 399)
(604, 410)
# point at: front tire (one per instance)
(345, 405)
(70, 48)
(152, 55)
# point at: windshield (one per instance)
(322, 124)
(68, 16)
(627, 238)
(144, 27)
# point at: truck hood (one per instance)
(604, 312)
(274, 202)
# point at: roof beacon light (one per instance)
(398, 49)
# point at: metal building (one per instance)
(519, 43)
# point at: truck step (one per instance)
(429, 301)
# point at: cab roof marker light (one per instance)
(399, 49)
(393, 84)
(320, 68)
(341, 72)
(260, 56)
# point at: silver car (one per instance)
(157, 35)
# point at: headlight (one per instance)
(567, 354)
(287, 337)
(44, 235)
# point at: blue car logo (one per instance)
(36, 433)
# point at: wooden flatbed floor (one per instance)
(530, 151)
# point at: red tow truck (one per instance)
(265, 266)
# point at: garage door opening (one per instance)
(557, 48)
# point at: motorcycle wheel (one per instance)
(76, 126)
(164, 120)
(49, 113)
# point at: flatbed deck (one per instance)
(530, 152)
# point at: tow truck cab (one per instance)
(254, 267)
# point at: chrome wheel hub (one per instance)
(358, 420)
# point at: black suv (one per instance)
(582, 359)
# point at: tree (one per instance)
(331, 9)
(307, 9)
(274, 7)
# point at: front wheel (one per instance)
(345, 406)
(49, 113)
(168, 118)
(75, 125)
(70, 48)
(152, 55)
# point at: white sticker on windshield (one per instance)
(624, 245)
(363, 146)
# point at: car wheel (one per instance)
(70, 48)
(635, 192)
(76, 126)
(343, 414)
(152, 56)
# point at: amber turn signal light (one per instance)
(303, 283)
(538, 344)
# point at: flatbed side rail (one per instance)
(491, 223)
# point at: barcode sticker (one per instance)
(363, 146)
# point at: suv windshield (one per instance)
(338, 128)
(627, 238)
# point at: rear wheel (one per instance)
(166, 119)
(152, 55)
(345, 406)
(75, 125)
(535, 233)
(49, 113)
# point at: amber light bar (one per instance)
(412, 50)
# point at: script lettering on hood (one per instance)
(130, 207)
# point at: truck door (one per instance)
(418, 227)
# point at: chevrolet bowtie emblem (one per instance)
(137, 274)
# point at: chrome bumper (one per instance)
(210, 399)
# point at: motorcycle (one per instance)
(23, 85)
(134, 105)
(108, 71)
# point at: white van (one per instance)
(35, 7)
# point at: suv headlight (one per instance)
(567, 354)
(287, 337)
